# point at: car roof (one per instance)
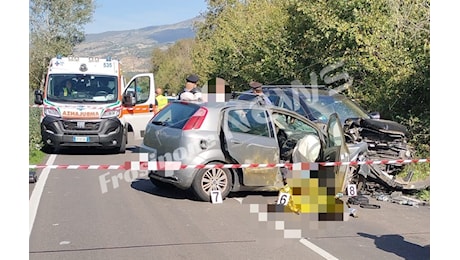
(296, 86)
(217, 107)
(321, 89)
(244, 104)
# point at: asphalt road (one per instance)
(115, 214)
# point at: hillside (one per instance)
(134, 47)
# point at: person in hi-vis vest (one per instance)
(68, 89)
(160, 100)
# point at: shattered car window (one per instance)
(326, 105)
(288, 123)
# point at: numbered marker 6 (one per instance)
(283, 198)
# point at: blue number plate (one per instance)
(81, 139)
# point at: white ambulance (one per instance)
(86, 103)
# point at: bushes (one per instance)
(36, 156)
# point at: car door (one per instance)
(250, 139)
(336, 151)
(143, 88)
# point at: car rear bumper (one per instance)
(180, 178)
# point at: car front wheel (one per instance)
(207, 180)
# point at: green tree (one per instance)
(55, 28)
(242, 41)
(380, 48)
(172, 65)
(384, 45)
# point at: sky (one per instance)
(117, 15)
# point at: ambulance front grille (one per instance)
(72, 125)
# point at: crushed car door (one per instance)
(250, 139)
(336, 151)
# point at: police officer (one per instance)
(190, 92)
(259, 94)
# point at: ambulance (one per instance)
(86, 103)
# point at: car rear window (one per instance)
(175, 115)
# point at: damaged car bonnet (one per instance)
(387, 140)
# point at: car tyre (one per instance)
(207, 180)
(49, 149)
(124, 140)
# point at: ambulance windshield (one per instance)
(82, 88)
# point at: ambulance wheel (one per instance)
(124, 140)
(49, 149)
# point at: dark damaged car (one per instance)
(387, 140)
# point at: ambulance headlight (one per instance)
(51, 111)
(111, 113)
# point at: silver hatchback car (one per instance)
(238, 133)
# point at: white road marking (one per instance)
(288, 233)
(37, 193)
(240, 200)
(317, 249)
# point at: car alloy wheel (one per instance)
(208, 180)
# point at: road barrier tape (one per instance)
(172, 165)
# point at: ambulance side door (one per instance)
(140, 109)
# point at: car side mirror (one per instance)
(129, 99)
(38, 97)
(374, 115)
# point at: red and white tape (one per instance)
(171, 165)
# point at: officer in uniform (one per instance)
(190, 92)
(259, 94)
